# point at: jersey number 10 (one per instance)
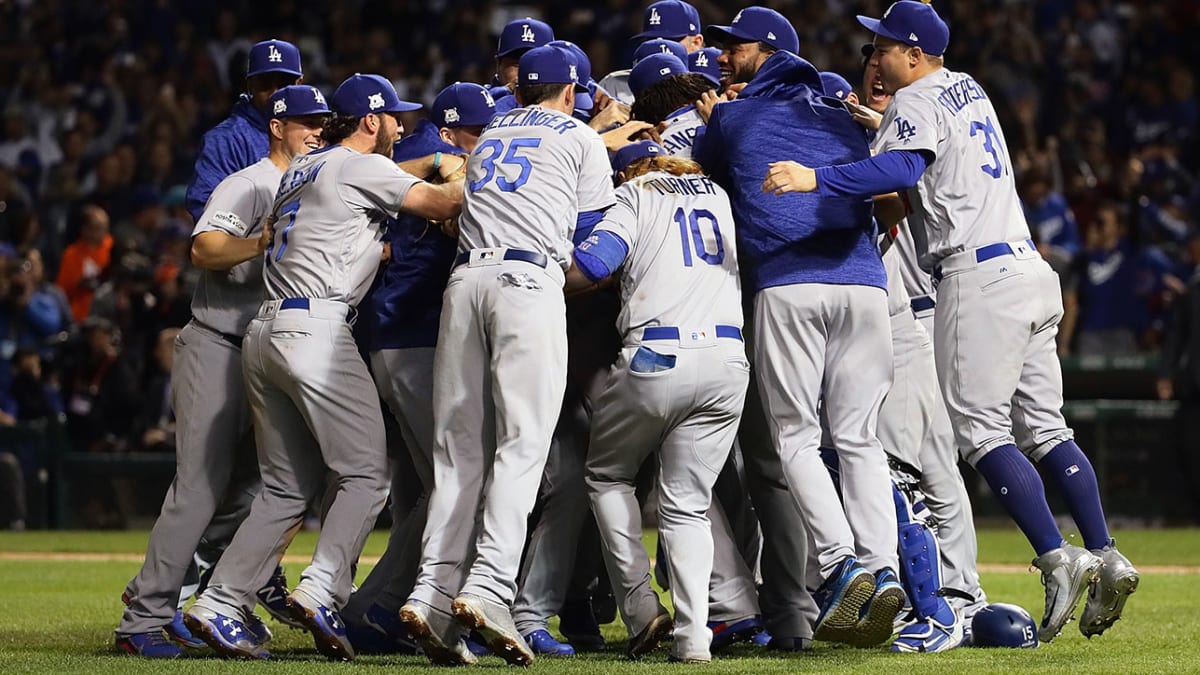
(692, 237)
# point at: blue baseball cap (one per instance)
(549, 65)
(635, 151)
(650, 70)
(757, 24)
(583, 100)
(704, 62)
(297, 100)
(915, 24)
(660, 46)
(361, 95)
(463, 104)
(273, 56)
(835, 85)
(671, 19)
(522, 34)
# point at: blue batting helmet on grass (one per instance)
(1003, 625)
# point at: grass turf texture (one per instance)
(59, 615)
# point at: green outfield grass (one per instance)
(59, 613)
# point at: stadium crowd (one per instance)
(104, 104)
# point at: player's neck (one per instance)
(279, 158)
(359, 142)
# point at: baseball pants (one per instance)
(499, 378)
(689, 411)
(814, 339)
(315, 410)
(216, 475)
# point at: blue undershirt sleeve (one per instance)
(600, 255)
(890, 171)
(585, 222)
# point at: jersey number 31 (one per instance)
(691, 235)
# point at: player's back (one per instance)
(967, 198)
(331, 205)
(531, 173)
(682, 264)
(226, 301)
(679, 138)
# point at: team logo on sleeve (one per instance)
(280, 107)
(375, 101)
(904, 129)
(452, 115)
(527, 34)
(655, 19)
(273, 54)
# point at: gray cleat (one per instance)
(650, 637)
(1066, 573)
(439, 636)
(495, 623)
(1106, 597)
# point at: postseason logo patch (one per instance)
(228, 221)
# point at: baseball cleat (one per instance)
(1106, 597)
(689, 659)
(1066, 573)
(728, 633)
(439, 636)
(151, 645)
(227, 636)
(273, 598)
(379, 631)
(542, 642)
(928, 636)
(841, 598)
(761, 639)
(879, 614)
(659, 629)
(577, 623)
(789, 644)
(258, 629)
(325, 624)
(181, 635)
(495, 624)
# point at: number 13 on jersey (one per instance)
(695, 237)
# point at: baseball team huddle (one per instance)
(722, 280)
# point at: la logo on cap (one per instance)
(280, 106)
(702, 60)
(452, 115)
(318, 96)
(527, 34)
(273, 54)
(664, 49)
(487, 97)
(738, 17)
(655, 19)
(375, 101)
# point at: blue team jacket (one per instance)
(794, 238)
(237, 142)
(405, 307)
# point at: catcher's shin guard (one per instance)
(920, 564)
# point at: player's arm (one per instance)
(595, 260)
(886, 172)
(218, 251)
(221, 239)
(890, 209)
(448, 166)
(434, 202)
(218, 159)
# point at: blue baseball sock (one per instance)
(1019, 488)
(1075, 477)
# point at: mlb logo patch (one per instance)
(532, 76)
(1072, 470)
(699, 335)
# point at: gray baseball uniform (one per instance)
(214, 452)
(680, 135)
(616, 84)
(1000, 303)
(314, 404)
(500, 366)
(678, 387)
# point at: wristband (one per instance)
(437, 160)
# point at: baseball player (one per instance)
(500, 367)
(999, 304)
(517, 37)
(241, 139)
(704, 62)
(665, 91)
(941, 481)
(212, 418)
(677, 387)
(672, 20)
(314, 404)
(405, 310)
(820, 317)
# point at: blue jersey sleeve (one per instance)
(584, 224)
(600, 255)
(886, 172)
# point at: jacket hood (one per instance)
(244, 108)
(783, 75)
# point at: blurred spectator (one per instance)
(84, 261)
(155, 427)
(1050, 219)
(51, 303)
(29, 317)
(1113, 290)
(14, 200)
(19, 151)
(100, 390)
(126, 300)
(12, 492)
(1179, 378)
(34, 396)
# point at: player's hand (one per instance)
(705, 105)
(267, 235)
(386, 253)
(733, 90)
(1165, 388)
(452, 168)
(789, 176)
(449, 227)
(600, 101)
(615, 113)
(868, 118)
(623, 135)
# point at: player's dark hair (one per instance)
(533, 94)
(668, 95)
(338, 128)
